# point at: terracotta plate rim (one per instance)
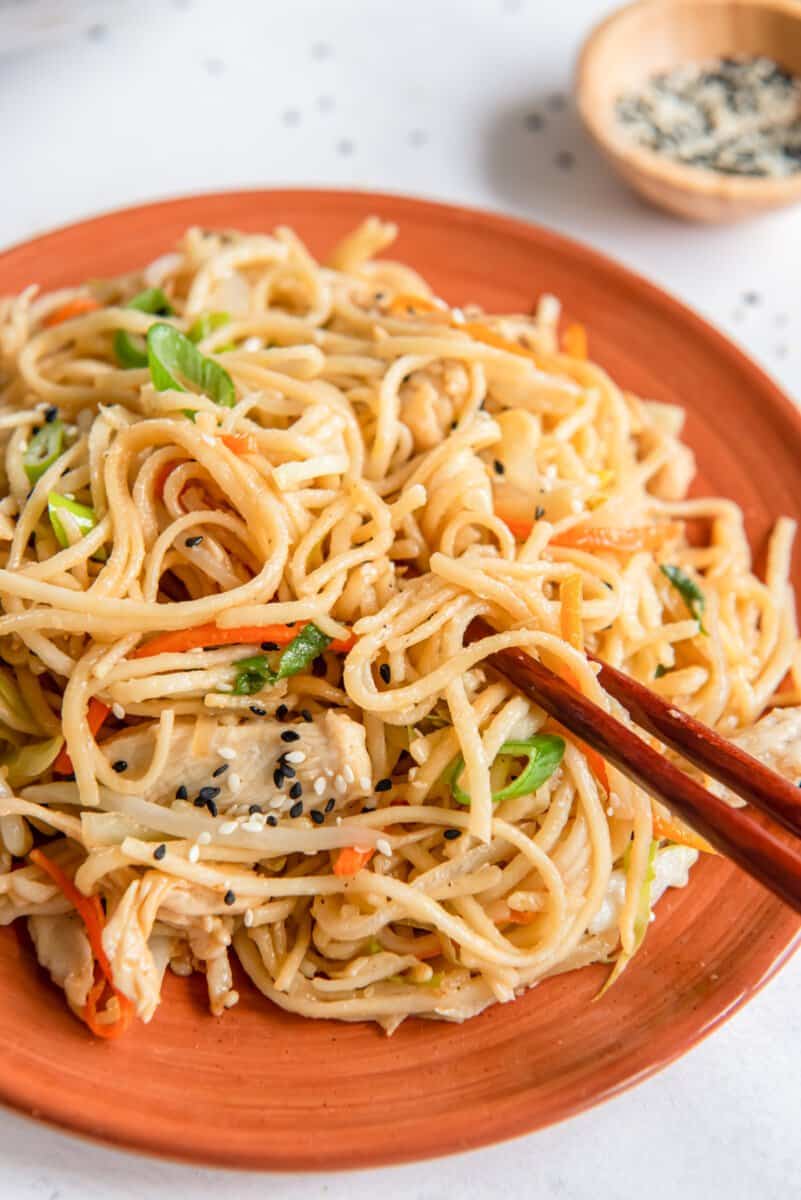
(55, 1110)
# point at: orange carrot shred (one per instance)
(96, 714)
(673, 830)
(407, 304)
(73, 308)
(570, 615)
(351, 859)
(238, 443)
(90, 910)
(180, 640)
(574, 341)
(622, 540)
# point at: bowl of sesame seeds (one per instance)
(697, 103)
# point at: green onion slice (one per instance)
(207, 323)
(60, 508)
(130, 349)
(175, 361)
(543, 751)
(46, 445)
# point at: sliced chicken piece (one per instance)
(776, 741)
(63, 949)
(259, 762)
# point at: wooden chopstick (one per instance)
(702, 746)
(758, 847)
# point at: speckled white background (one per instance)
(104, 104)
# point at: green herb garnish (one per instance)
(689, 591)
(252, 674)
(661, 670)
(175, 361)
(544, 752)
(129, 348)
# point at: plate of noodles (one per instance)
(289, 878)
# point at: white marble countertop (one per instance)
(104, 104)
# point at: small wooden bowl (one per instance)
(652, 36)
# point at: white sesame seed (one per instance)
(194, 854)
(347, 772)
(234, 782)
(204, 838)
(118, 711)
(227, 752)
(329, 771)
(340, 785)
(319, 785)
(208, 439)
(457, 316)
(227, 827)
(248, 917)
(339, 820)
(255, 824)
(295, 756)
(252, 343)
(365, 783)
(383, 847)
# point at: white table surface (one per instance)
(104, 104)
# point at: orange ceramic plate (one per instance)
(261, 1088)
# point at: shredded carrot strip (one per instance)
(406, 301)
(622, 541)
(518, 917)
(518, 526)
(574, 341)
(163, 475)
(211, 635)
(570, 615)
(96, 714)
(482, 333)
(73, 308)
(90, 910)
(239, 443)
(350, 860)
(673, 830)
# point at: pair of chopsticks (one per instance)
(760, 846)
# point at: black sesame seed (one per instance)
(385, 672)
(258, 712)
(329, 804)
(198, 803)
(254, 808)
(498, 467)
(218, 771)
(278, 777)
(50, 413)
(281, 712)
(296, 791)
(534, 122)
(119, 766)
(290, 735)
(539, 513)
(230, 897)
(268, 646)
(318, 667)
(565, 160)
(288, 770)
(317, 816)
(296, 809)
(272, 819)
(211, 805)
(307, 717)
(368, 809)
(159, 852)
(191, 542)
(383, 785)
(452, 834)
(208, 793)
